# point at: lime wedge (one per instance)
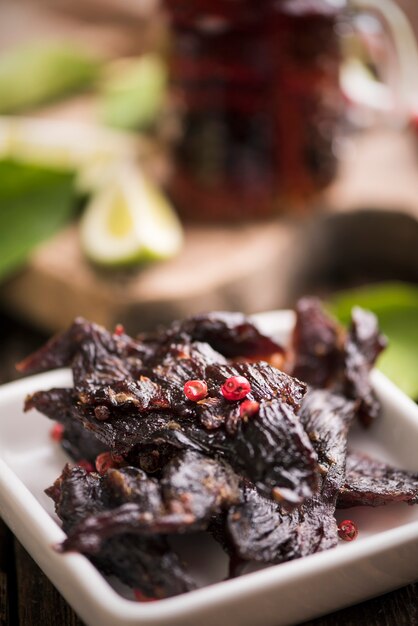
(129, 222)
(133, 95)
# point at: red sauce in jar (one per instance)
(259, 94)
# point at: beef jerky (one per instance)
(316, 344)
(199, 485)
(363, 346)
(258, 529)
(80, 444)
(124, 433)
(107, 369)
(131, 484)
(214, 411)
(62, 348)
(261, 530)
(274, 452)
(271, 449)
(89, 536)
(174, 365)
(231, 334)
(190, 483)
(325, 356)
(160, 385)
(76, 494)
(370, 482)
(267, 383)
(152, 458)
(77, 441)
(253, 451)
(193, 489)
(56, 404)
(105, 382)
(145, 563)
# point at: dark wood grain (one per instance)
(39, 602)
(8, 606)
(399, 608)
(28, 598)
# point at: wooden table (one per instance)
(27, 598)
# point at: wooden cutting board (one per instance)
(242, 268)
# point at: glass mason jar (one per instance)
(258, 90)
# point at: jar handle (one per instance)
(405, 45)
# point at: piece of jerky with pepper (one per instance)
(271, 449)
(369, 482)
(192, 490)
(114, 373)
(86, 336)
(260, 530)
(145, 563)
(107, 368)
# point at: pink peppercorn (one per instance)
(119, 330)
(249, 408)
(106, 461)
(57, 432)
(195, 390)
(347, 530)
(86, 465)
(235, 388)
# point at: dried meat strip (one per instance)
(192, 490)
(76, 494)
(263, 531)
(317, 343)
(80, 444)
(363, 346)
(325, 356)
(231, 334)
(77, 442)
(274, 452)
(271, 449)
(369, 482)
(145, 563)
(61, 349)
(199, 486)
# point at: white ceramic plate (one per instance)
(384, 557)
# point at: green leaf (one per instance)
(39, 72)
(396, 305)
(34, 203)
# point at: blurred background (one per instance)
(158, 159)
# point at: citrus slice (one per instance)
(133, 95)
(129, 222)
